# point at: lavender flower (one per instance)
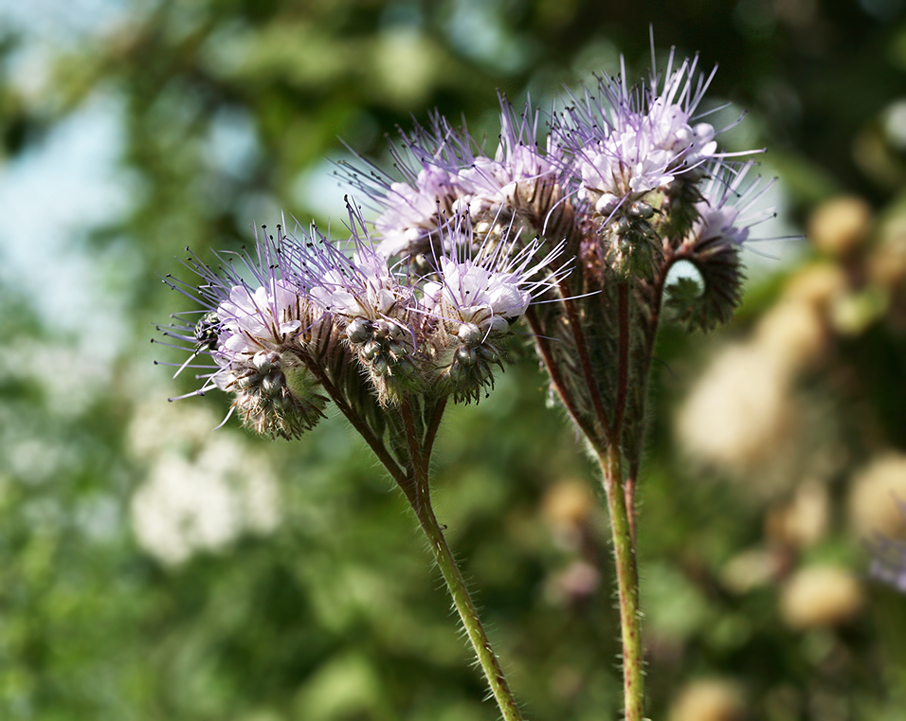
(251, 335)
(479, 292)
(446, 174)
(626, 142)
(728, 198)
(373, 307)
(429, 160)
(413, 208)
(518, 167)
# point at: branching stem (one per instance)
(553, 370)
(357, 421)
(420, 456)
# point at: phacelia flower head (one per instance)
(446, 174)
(509, 183)
(372, 305)
(429, 159)
(476, 293)
(413, 208)
(626, 142)
(723, 219)
(250, 330)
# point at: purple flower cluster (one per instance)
(615, 153)
(304, 313)
(638, 140)
(418, 301)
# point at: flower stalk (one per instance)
(443, 556)
(619, 503)
(387, 348)
(484, 652)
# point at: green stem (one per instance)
(421, 504)
(627, 584)
(468, 613)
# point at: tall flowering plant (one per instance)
(575, 230)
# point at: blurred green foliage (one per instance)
(228, 110)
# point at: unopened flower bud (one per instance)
(499, 326)
(397, 350)
(371, 350)
(272, 383)
(456, 372)
(382, 329)
(470, 334)
(466, 356)
(405, 367)
(488, 353)
(359, 330)
(265, 361)
(640, 209)
(380, 365)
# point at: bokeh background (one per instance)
(152, 568)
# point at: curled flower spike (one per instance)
(372, 307)
(723, 223)
(252, 336)
(479, 293)
(626, 142)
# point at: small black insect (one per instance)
(206, 331)
(205, 335)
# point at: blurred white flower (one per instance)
(204, 503)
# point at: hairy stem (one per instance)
(622, 359)
(356, 420)
(450, 569)
(627, 584)
(543, 345)
(575, 326)
(469, 615)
